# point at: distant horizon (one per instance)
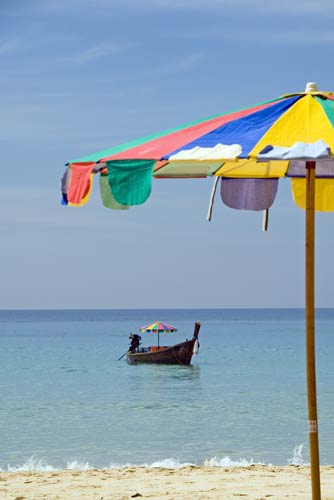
(166, 309)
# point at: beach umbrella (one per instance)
(158, 327)
(247, 152)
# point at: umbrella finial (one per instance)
(311, 87)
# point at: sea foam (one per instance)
(297, 458)
(228, 462)
(40, 465)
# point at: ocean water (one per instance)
(66, 401)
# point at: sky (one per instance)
(78, 76)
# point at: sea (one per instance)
(68, 402)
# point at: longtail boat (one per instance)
(178, 354)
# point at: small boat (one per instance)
(178, 354)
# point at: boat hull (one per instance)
(179, 354)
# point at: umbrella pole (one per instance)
(310, 330)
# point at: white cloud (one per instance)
(184, 64)
(93, 53)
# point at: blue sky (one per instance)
(78, 76)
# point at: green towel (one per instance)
(130, 180)
(106, 195)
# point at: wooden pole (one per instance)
(310, 330)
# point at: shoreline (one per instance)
(254, 482)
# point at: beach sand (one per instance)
(254, 482)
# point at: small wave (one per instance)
(40, 465)
(228, 462)
(166, 463)
(297, 458)
(75, 465)
(30, 465)
(169, 463)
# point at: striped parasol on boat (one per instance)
(157, 327)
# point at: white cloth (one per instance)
(218, 152)
(299, 151)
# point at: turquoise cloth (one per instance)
(107, 197)
(130, 180)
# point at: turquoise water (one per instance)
(66, 400)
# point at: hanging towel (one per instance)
(248, 194)
(324, 194)
(80, 185)
(130, 180)
(324, 168)
(106, 195)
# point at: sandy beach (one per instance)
(188, 483)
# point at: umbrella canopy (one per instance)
(248, 150)
(158, 326)
(231, 146)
